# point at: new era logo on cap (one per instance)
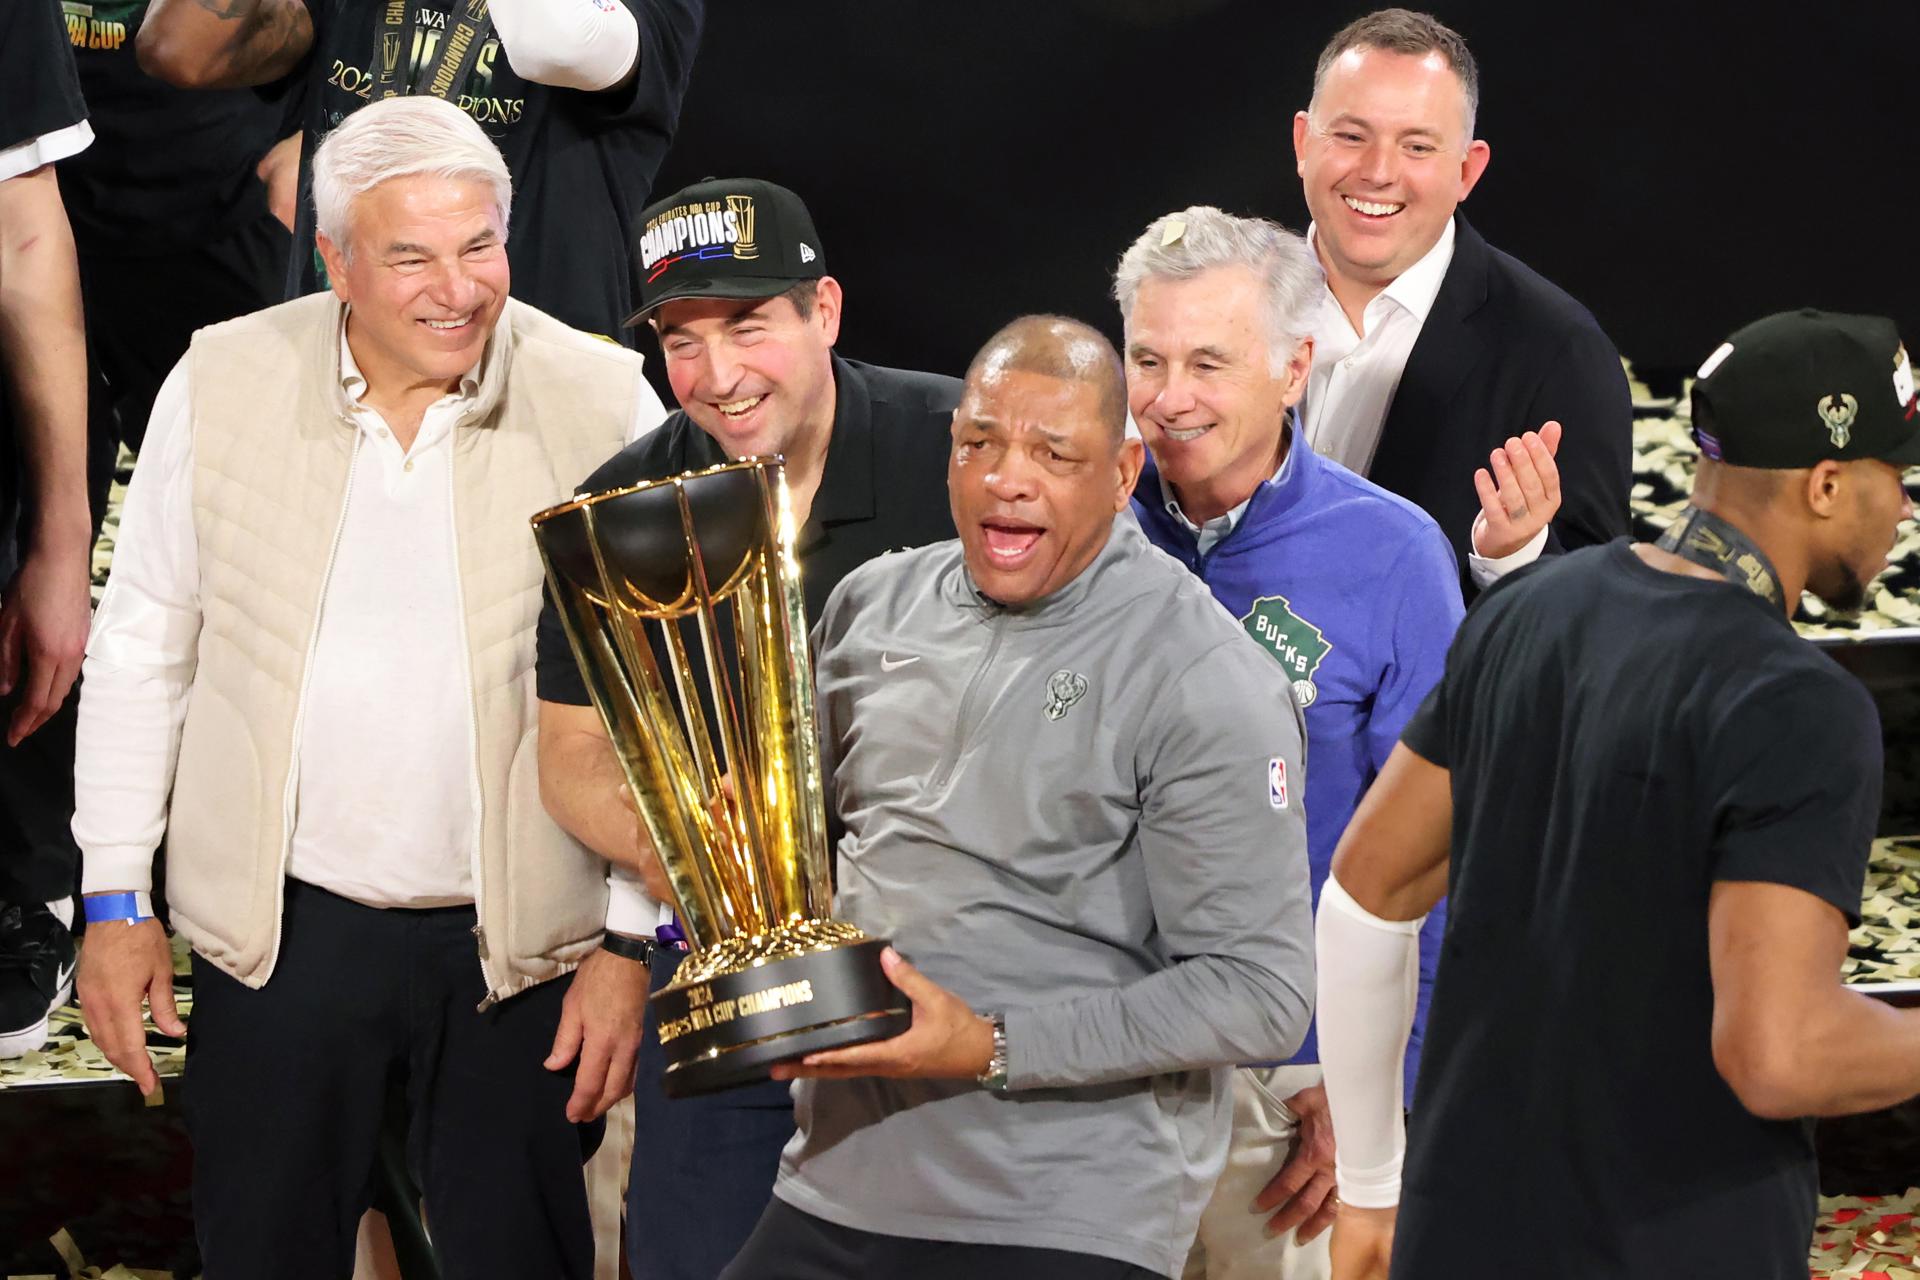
(725, 238)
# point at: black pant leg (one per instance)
(285, 1087)
(39, 860)
(496, 1157)
(703, 1168)
(900, 1258)
(790, 1245)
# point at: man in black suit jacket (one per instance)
(1445, 370)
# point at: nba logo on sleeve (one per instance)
(1277, 783)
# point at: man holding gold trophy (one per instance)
(733, 280)
(1071, 795)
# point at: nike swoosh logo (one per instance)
(890, 663)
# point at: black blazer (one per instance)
(1501, 352)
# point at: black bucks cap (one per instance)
(725, 238)
(1802, 386)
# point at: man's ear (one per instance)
(827, 301)
(1826, 484)
(1299, 367)
(336, 260)
(1132, 457)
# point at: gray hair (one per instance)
(1179, 246)
(1403, 31)
(399, 138)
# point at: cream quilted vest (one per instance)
(273, 444)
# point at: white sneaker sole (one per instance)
(14, 1044)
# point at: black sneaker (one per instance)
(36, 974)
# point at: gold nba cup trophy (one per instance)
(725, 770)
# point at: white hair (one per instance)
(1199, 238)
(398, 138)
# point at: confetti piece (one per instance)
(1175, 228)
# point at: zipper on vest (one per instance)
(474, 860)
(289, 802)
(960, 725)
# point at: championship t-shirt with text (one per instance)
(582, 163)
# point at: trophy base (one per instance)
(730, 1029)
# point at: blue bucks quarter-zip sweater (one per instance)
(1356, 594)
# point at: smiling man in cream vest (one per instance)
(313, 670)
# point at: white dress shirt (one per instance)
(386, 789)
(1355, 375)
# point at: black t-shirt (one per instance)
(1619, 740)
(883, 488)
(39, 89)
(582, 163)
(169, 169)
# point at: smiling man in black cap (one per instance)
(1658, 802)
(734, 281)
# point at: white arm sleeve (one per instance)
(1369, 980)
(569, 44)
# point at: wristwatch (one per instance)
(995, 1076)
(629, 947)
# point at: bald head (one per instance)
(1063, 348)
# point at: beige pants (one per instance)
(1233, 1242)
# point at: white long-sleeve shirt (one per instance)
(1355, 375)
(385, 783)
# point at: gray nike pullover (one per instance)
(1086, 813)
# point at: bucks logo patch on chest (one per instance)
(1296, 644)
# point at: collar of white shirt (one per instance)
(354, 383)
(1208, 534)
(1414, 289)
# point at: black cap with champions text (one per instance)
(1803, 386)
(725, 238)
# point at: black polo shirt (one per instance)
(884, 488)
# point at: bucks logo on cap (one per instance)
(1296, 644)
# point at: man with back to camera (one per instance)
(1071, 794)
(581, 96)
(1352, 590)
(748, 333)
(1651, 804)
(313, 670)
(1444, 370)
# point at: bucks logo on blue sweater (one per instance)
(1296, 644)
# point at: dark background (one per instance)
(1680, 167)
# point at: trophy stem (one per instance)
(743, 806)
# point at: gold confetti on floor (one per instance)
(1866, 1238)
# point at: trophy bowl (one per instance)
(681, 600)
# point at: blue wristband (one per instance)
(131, 907)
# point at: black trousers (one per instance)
(703, 1168)
(791, 1245)
(286, 1088)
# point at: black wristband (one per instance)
(630, 948)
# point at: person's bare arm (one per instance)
(223, 44)
(585, 792)
(1788, 1038)
(1392, 857)
(45, 608)
(1392, 865)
